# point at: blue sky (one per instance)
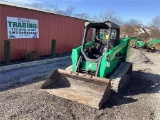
(143, 10)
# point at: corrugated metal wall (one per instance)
(66, 30)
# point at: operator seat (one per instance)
(112, 43)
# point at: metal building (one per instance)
(67, 31)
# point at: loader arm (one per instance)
(109, 61)
(112, 53)
(112, 59)
(153, 42)
(122, 47)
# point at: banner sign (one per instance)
(22, 28)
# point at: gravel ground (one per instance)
(22, 98)
(29, 74)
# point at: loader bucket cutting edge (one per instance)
(89, 90)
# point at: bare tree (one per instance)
(156, 22)
(53, 8)
(36, 5)
(85, 16)
(108, 15)
(135, 23)
(61, 12)
(155, 27)
(118, 20)
(44, 6)
(131, 27)
(95, 18)
(69, 10)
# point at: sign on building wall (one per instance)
(22, 28)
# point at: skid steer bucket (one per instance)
(86, 89)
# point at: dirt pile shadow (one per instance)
(141, 83)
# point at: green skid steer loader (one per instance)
(100, 65)
(150, 46)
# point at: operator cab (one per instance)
(105, 36)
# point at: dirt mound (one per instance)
(157, 46)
